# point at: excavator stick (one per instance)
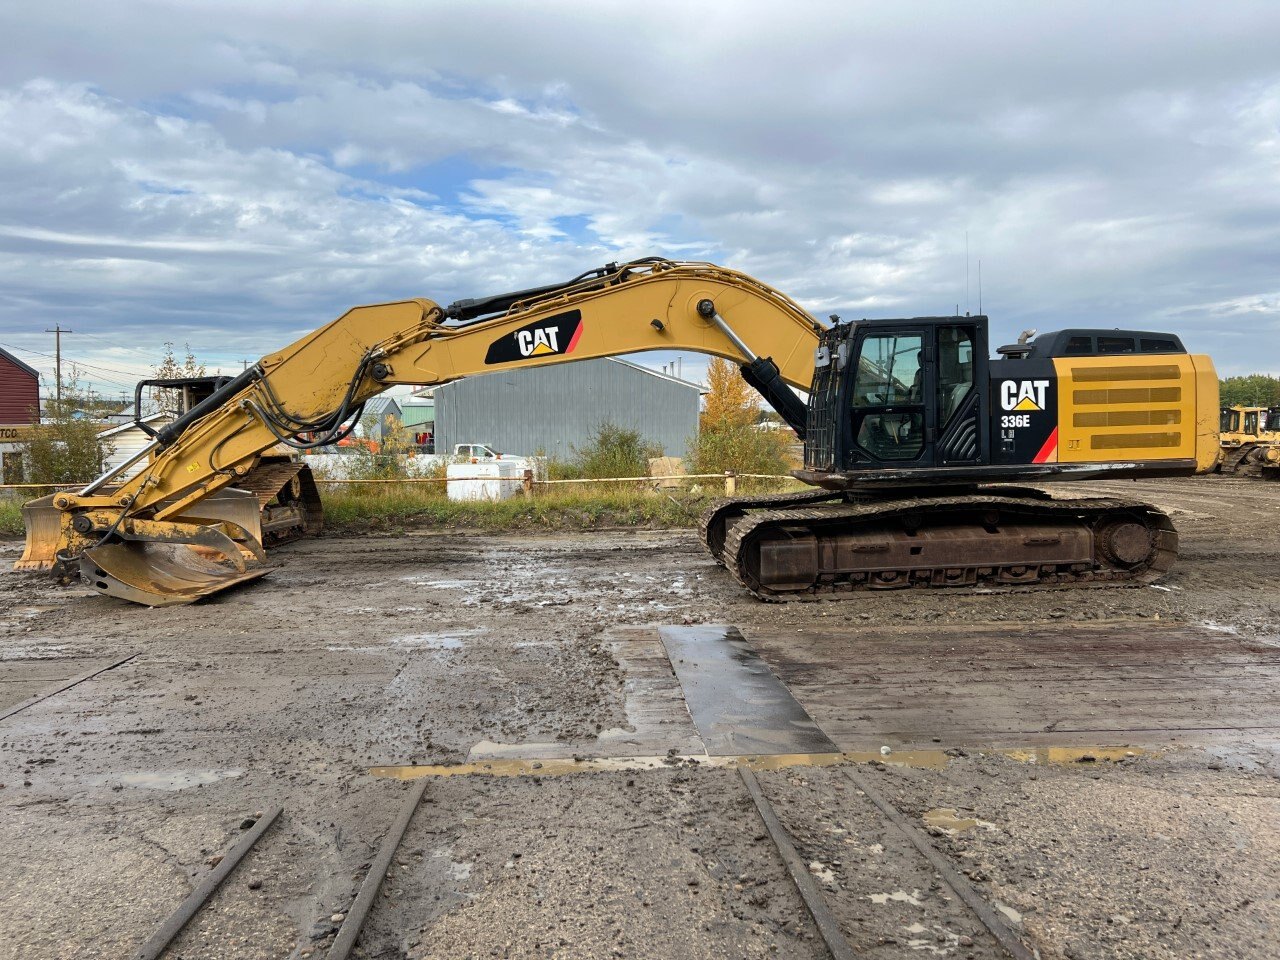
(44, 527)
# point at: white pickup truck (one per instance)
(477, 452)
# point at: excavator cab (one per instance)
(899, 394)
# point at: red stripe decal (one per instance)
(574, 341)
(1049, 450)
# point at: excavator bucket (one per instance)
(44, 526)
(165, 565)
(159, 574)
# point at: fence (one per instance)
(730, 479)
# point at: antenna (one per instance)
(979, 286)
(966, 275)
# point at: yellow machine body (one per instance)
(1138, 408)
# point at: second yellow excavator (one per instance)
(908, 428)
(1250, 438)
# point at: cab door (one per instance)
(890, 416)
(960, 399)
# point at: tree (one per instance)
(729, 437)
(384, 459)
(729, 398)
(1251, 390)
(64, 446)
(170, 401)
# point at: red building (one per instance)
(19, 391)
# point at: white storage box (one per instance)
(487, 480)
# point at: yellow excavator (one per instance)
(911, 431)
(1250, 438)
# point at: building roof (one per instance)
(112, 431)
(428, 393)
(381, 406)
(18, 363)
(658, 373)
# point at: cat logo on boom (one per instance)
(1023, 395)
(554, 336)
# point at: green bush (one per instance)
(562, 470)
(741, 447)
(10, 517)
(614, 451)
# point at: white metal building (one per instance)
(551, 410)
(127, 439)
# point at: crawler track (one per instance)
(980, 539)
(713, 526)
(298, 512)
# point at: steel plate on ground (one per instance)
(737, 703)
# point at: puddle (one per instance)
(429, 641)
(898, 896)
(1063, 755)
(920, 759)
(1010, 913)
(948, 820)
(31, 611)
(445, 640)
(42, 651)
(559, 766)
(554, 767)
(1220, 628)
(940, 943)
(424, 581)
(823, 873)
(169, 780)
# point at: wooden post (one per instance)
(528, 485)
(730, 483)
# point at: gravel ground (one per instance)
(436, 648)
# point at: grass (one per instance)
(10, 517)
(353, 509)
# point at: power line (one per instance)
(117, 346)
(79, 363)
(57, 332)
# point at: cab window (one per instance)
(955, 370)
(889, 371)
(890, 375)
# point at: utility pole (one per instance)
(57, 332)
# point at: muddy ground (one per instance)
(1101, 764)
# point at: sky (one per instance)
(230, 175)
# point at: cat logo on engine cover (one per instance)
(1023, 395)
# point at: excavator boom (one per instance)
(156, 538)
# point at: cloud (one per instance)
(233, 174)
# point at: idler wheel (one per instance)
(1125, 542)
